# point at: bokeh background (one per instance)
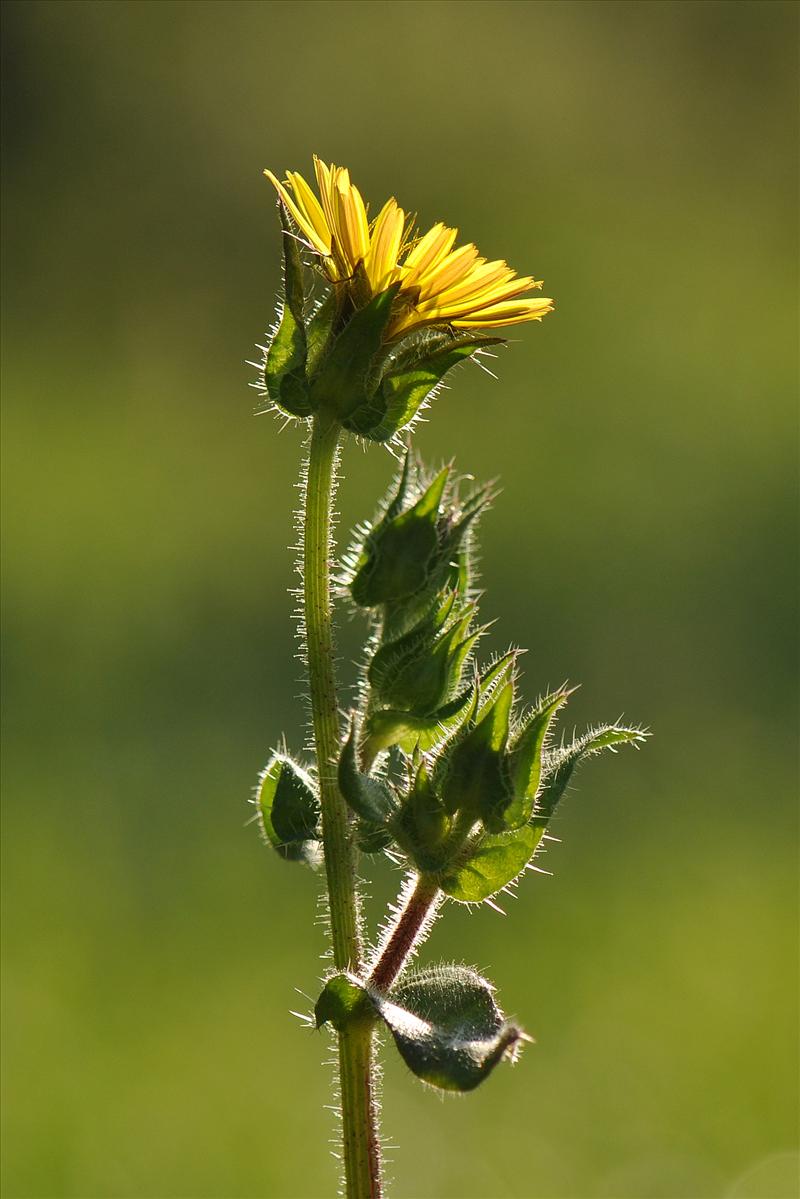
(641, 158)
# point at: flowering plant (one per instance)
(439, 768)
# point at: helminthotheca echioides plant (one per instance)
(441, 768)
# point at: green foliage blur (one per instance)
(641, 159)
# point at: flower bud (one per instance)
(476, 779)
(422, 824)
(418, 671)
(400, 557)
(415, 550)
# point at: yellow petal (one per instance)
(301, 219)
(428, 252)
(512, 312)
(308, 202)
(449, 271)
(385, 241)
(352, 226)
(325, 187)
(482, 279)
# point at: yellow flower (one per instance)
(438, 285)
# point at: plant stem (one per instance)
(416, 910)
(419, 909)
(359, 1111)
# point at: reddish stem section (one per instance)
(403, 938)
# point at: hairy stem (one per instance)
(356, 1071)
(407, 931)
(416, 910)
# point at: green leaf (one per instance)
(345, 384)
(561, 764)
(447, 1026)
(340, 1001)
(490, 864)
(288, 809)
(406, 389)
(525, 759)
(319, 329)
(372, 838)
(285, 362)
(370, 798)
(389, 727)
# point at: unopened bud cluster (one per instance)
(440, 763)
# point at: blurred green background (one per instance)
(641, 158)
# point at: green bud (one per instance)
(414, 551)
(420, 670)
(400, 557)
(477, 779)
(422, 824)
(289, 812)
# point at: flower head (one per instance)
(436, 282)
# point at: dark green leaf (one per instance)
(342, 998)
(288, 810)
(371, 798)
(422, 824)
(447, 1026)
(345, 384)
(319, 330)
(372, 838)
(405, 390)
(285, 363)
(476, 779)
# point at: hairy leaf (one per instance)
(344, 383)
(371, 798)
(525, 761)
(561, 764)
(285, 363)
(289, 812)
(340, 1000)
(387, 727)
(490, 864)
(447, 1026)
